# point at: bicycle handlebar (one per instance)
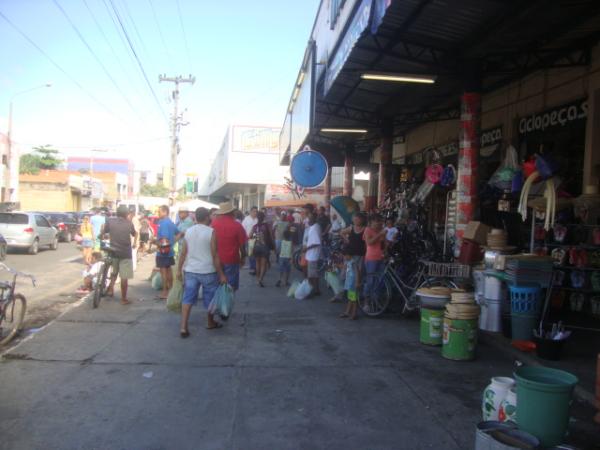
(17, 273)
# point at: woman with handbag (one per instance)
(261, 242)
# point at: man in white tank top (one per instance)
(199, 266)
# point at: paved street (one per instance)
(281, 374)
(57, 273)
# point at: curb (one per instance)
(502, 344)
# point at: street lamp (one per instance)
(9, 131)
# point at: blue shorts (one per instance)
(232, 273)
(192, 283)
(87, 243)
(285, 265)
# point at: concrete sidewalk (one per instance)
(281, 374)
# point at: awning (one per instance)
(463, 42)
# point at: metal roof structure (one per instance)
(484, 44)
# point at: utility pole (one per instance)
(175, 125)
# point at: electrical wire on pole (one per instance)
(59, 68)
(141, 66)
(185, 41)
(97, 59)
(175, 126)
(110, 46)
(160, 33)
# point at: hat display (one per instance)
(225, 208)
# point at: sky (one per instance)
(245, 56)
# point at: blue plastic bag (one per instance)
(222, 302)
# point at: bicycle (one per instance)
(103, 276)
(331, 255)
(390, 281)
(12, 305)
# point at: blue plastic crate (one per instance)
(524, 299)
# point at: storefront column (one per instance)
(348, 174)
(469, 144)
(385, 162)
(327, 189)
(591, 162)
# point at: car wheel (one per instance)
(3, 250)
(35, 247)
(54, 244)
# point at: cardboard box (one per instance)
(477, 231)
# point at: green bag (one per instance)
(175, 296)
(334, 282)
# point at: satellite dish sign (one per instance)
(308, 168)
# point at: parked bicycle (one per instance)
(12, 305)
(103, 277)
(331, 255)
(392, 283)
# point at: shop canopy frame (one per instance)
(475, 44)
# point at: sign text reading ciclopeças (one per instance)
(555, 117)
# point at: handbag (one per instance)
(251, 244)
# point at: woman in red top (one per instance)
(374, 237)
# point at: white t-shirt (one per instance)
(199, 257)
(314, 238)
(93, 270)
(390, 233)
(248, 223)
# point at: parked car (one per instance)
(3, 248)
(28, 230)
(65, 223)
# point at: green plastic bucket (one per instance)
(431, 326)
(543, 400)
(459, 339)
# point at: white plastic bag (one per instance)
(292, 290)
(303, 290)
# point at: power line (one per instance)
(137, 59)
(185, 41)
(112, 49)
(106, 72)
(84, 146)
(63, 71)
(160, 33)
(135, 28)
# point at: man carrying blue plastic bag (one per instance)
(199, 266)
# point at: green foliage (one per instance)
(154, 190)
(43, 157)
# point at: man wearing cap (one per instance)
(231, 242)
(121, 230)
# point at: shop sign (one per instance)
(379, 9)
(490, 141)
(255, 139)
(357, 26)
(556, 117)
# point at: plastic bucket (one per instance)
(459, 339)
(522, 326)
(544, 396)
(491, 317)
(549, 349)
(431, 326)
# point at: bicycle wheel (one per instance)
(14, 314)
(100, 286)
(296, 259)
(375, 302)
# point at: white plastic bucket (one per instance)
(494, 289)
(490, 318)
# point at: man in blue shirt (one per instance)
(165, 256)
(97, 220)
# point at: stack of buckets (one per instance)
(433, 300)
(525, 307)
(460, 327)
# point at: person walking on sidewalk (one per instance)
(97, 220)
(120, 231)
(313, 252)
(248, 223)
(199, 266)
(279, 227)
(87, 239)
(231, 243)
(165, 257)
(263, 244)
(374, 237)
(285, 259)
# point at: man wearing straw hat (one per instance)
(231, 242)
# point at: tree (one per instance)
(43, 157)
(154, 190)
